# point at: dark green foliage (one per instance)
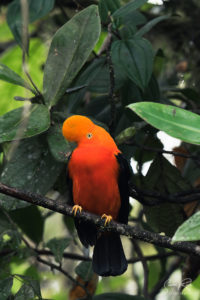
(19, 123)
(84, 270)
(165, 179)
(36, 10)
(57, 246)
(5, 287)
(148, 51)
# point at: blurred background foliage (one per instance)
(153, 48)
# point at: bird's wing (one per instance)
(69, 184)
(124, 176)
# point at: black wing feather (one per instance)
(124, 176)
(70, 185)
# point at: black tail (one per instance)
(108, 256)
(87, 233)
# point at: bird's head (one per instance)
(83, 131)
(78, 128)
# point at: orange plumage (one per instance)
(95, 170)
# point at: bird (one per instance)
(98, 176)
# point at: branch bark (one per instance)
(126, 230)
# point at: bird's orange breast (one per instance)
(94, 173)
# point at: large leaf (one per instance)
(165, 179)
(31, 167)
(177, 122)
(84, 270)
(128, 8)
(37, 9)
(57, 246)
(107, 7)
(147, 27)
(33, 284)
(96, 78)
(10, 76)
(15, 125)
(135, 58)
(13, 239)
(25, 292)
(189, 230)
(69, 50)
(30, 220)
(58, 145)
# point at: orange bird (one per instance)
(98, 177)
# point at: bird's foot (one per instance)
(107, 218)
(76, 208)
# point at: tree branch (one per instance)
(127, 230)
(79, 257)
(157, 198)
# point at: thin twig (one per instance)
(162, 151)
(72, 256)
(60, 269)
(153, 257)
(157, 198)
(79, 257)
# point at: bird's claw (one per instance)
(107, 218)
(76, 208)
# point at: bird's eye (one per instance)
(89, 135)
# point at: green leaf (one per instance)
(177, 122)
(15, 125)
(57, 246)
(9, 236)
(31, 167)
(107, 7)
(189, 230)
(96, 78)
(10, 76)
(147, 140)
(25, 293)
(128, 8)
(33, 284)
(58, 145)
(84, 270)
(30, 220)
(165, 179)
(116, 296)
(69, 50)
(37, 9)
(135, 58)
(5, 288)
(99, 81)
(125, 135)
(147, 27)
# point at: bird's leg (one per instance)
(107, 219)
(76, 208)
